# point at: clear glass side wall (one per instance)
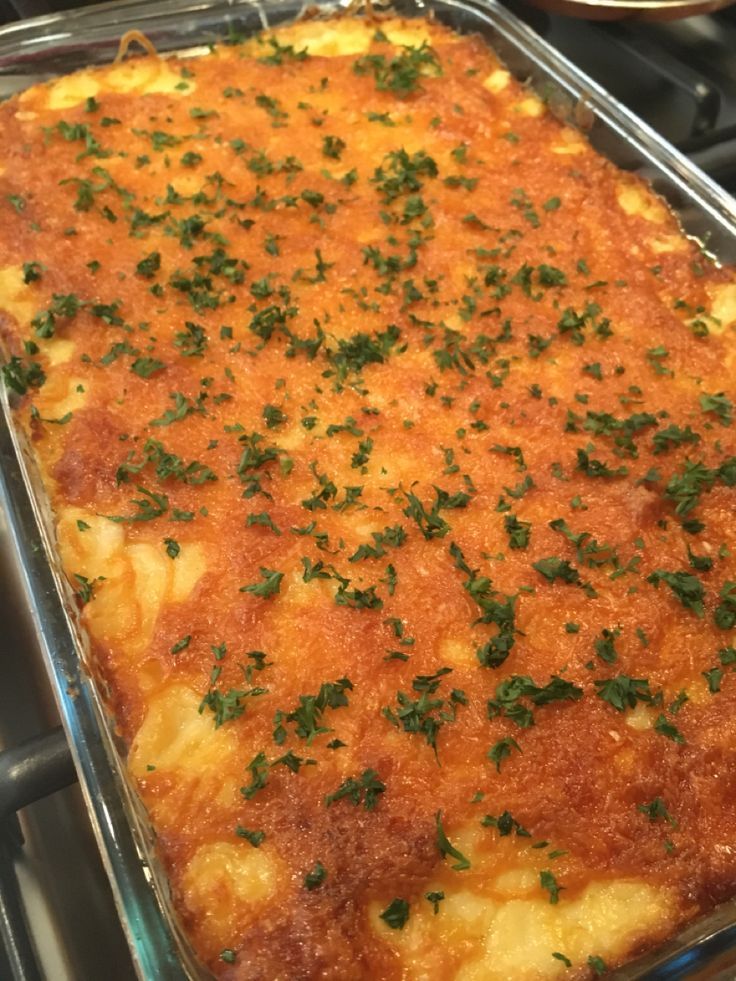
(35, 50)
(156, 951)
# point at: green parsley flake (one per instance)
(548, 882)
(269, 586)
(396, 914)
(446, 847)
(315, 877)
(255, 838)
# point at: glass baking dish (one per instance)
(46, 47)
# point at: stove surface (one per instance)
(681, 78)
(68, 902)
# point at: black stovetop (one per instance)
(680, 77)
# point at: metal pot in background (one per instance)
(642, 10)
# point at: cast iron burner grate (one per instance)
(679, 76)
(34, 769)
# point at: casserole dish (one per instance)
(708, 212)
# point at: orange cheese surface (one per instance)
(389, 434)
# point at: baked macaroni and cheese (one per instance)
(389, 434)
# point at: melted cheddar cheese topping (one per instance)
(389, 434)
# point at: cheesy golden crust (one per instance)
(389, 434)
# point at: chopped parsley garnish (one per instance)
(518, 531)
(673, 436)
(229, 705)
(308, 714)
(315, 877)
(548, 882)
(720, 405)
(281, 52)
(435, 898)
(150, 506)
(493, 610)
(366, 789)
(263, 519)
(511, 691)
(354, 353)
(623, 692)
(357, 598)
(392, 537)
(400, 174)
(396, 914)
(597, 468)
(553, 568)
(685, 488)
(575, 324)
(64, 306)
(428, 518)
(32, 271)
(687, 588)
(149, 266)
(255, 838)
(656, 811)
(604, 646)
(505, 824)
(273, 416)
(724, 615)
(19, 377)
(665, 728)
(402, 73)
(270, 584)
(446, 848)
(85, 587)
(332, 146)
(259, 770)
(502, 750)
(183, 407)
(172, 547)
(701, 563)
(17, 201)
(425, 715)
(167, 465)
(713, 677)
(145, 367)
(192, 341)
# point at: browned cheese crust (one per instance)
(389, 433)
